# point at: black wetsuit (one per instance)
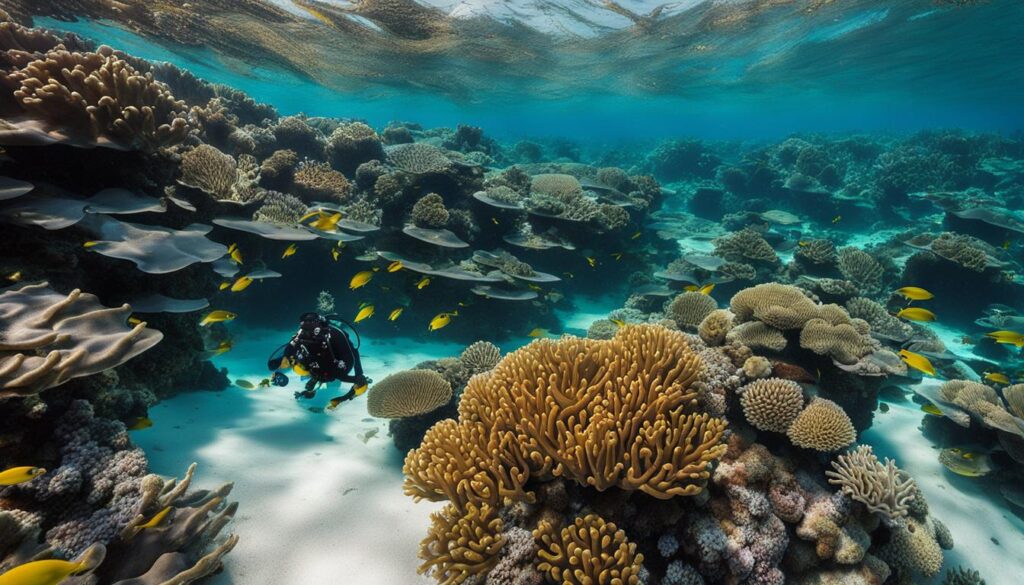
(326, 352)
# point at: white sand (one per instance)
(318, 506)
(971, 507)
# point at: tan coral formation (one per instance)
(822, 426)
(772, 404)
(49, 338)
(589, 551)
(461, 544)
(882, 487)
(408, 393)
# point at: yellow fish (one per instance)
(14, 276)
(917, 361)
(1008, 337)
(46, 572)
(618, 322)
(914, 293)
(140, 423)
(225, 285)
(837, 219)
(223, 347)
(241, 284)
(395, 314)
(360, 279)
(635, 236)
(423, 283)
(803, 244)
(133, 320)
(326, 223)
(916, 314)
(538, 332)
(16, 475)
(690, 288)
(217, 317)
(90, 244)
(235, 253)
(246, 384)
(707, 288)
(156, 519)
(395, 266)
(335, 253)
(534, 287)
(441, 320)
(291, 249)
(617, 256)
(998, 378)
(931, 409)
(965, 463)
(364, 313)
(591, 261)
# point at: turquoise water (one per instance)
(711, 292)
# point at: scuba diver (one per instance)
(322, 351)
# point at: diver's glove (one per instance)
(308, 393)
(334, 402)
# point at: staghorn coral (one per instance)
(715, 326)
(430, 212)
(351, 145)
(822, 426)
(408, 393)
(461, 544)
(882, 487)
(480, 356)
(502, 439)
(280, 209)
(772, 404)
(50, 338)
(319, 182)
(98, 98)
(689, 309)
(747, 246)
(843, 343)
(588, 551)
(861, 268)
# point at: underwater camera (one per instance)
(279, 379)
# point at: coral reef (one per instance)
(822, 426)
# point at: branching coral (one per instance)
(430, 212)
(589, 551)
(408, 393)
(318, 181)
(50, 338)
(822, 426)
(689, 309)
(98, 98)
(219, 175)
(883, 488)
(772, 404)
(861, 268)
(294, 133)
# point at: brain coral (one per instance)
(408, 393)
(817, 252)
(430, 212)
(822, 426)
(689, 309)
(481, 356)
(509, 420)
(715, 326)
(590, 551)
(778, 305)
(772, 404)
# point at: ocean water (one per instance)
(721, 292)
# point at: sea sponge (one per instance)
(822, 426)
(912, 548)
(843, 343)
(462, 545)
(353, 144)
(508, 421)
(559, 186)
(50, 338)
(817, 252)
(883, 488)
(98, 98)
(689, 309)
(861, 268)
(319, 182)
(430, 212)
(757, 335)
(481, 356)
(279, 208)
(746, 245)
(779, 305)
(757, 367)
(772, 404)
(715, 326)
(588, 551)
(879, 319)
(418, 158)
(408, 393)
